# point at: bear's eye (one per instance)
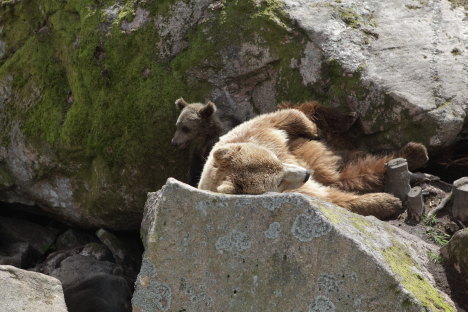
(185, 129)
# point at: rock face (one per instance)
(23, 242)
(457, 252)
(276, 252)
(396, 56)
(29, 291)
(87, 89)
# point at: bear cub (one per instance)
(201, 125)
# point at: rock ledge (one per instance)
(276, 252)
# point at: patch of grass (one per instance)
(430, 220)
(435, 257)
(437, 236)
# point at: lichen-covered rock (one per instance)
(277, 252)
(29, 291)
(87, 88)
(457, 252)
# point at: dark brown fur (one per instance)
(333, 124)
(354, 170)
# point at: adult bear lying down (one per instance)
(277, 152)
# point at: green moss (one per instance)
(459, 3)
(103, 99)
(350, 17)
(265, 24)
(127, 13)
(456, 51)
(332, 214)
(412, 6)
(81, 88)
(338, 85)
(399, 261)
(6, 178)
(360, 223)
(401, 264)
(342, 216)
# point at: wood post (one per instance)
(460, 199)
(415, 204)
(397, 178)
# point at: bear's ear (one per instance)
(208, 110)
(180, 103)
(224, 155)
(226, 188)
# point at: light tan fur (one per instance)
(252, 158)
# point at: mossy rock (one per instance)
(99, 98)
(90, 86)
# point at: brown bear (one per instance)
(202, 125)
(334, 125)
(277, 152)
(199, 124)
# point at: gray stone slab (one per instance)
(276, 252)
(22, 290)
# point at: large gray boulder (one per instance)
(276, 252)
(404, 60)
(29, 291)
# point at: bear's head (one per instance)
(245, 168)
(193, 122)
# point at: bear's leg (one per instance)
(196, 168)
(316, 156)
(295, 124)
(380, 205)
(365, 173)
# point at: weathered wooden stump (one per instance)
(397, 178)
(415, 204)
(460, 199)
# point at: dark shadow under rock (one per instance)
(99, 293)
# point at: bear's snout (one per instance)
(294, 177)
(179, 145)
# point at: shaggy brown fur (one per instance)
(264, 154)
(333, 124)
(354, 170)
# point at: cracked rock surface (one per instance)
(276, 252)
(29, 291)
